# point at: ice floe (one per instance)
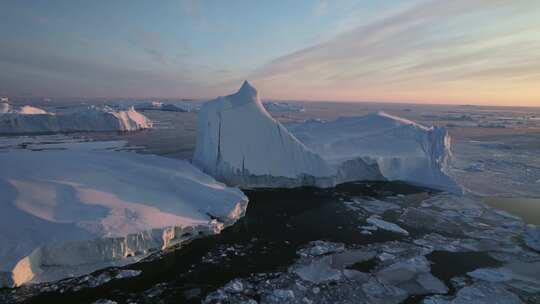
(382, 224)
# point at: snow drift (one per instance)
(70, 212)
(239, 143)
(29, 119)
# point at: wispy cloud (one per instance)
(44, 73)
(321, 7)
(436, 47)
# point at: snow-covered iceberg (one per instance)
(166, 105)
(273, 106)
(6, 108)
(29, 119)
(161, 106)
(401, 149)
(238, 142)
(69, 212)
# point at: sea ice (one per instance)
(372, 206)
(478, 293)
(382, 224)
(531, 236)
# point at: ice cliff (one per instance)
(70, 212)
(238, 142)
(28, 119)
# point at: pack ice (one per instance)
(238, 142)
(69, 212)
(28, 119)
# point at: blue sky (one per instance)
(476, 51)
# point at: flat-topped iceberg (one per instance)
(160, 106)
(274, 106)
(69, 212)
(166, 105)
(29, 119)
(402, 149)
(238, 142)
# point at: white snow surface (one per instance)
(69, 212)
(6, 108)
(29, 119)
(240, 143)
(402, 149)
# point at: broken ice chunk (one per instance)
(532, 237)
(382, 224)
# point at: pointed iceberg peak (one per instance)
(246, 94)
(247, 88)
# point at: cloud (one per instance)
(35, 72)
(321, 8)
(433, 45)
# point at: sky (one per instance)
(426, 51)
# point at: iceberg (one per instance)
(166, 105)
(6, 108)
(240, 143)
(160, 106)
(69, 212)
(272, 106)
(401, 149)
(29, 119)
